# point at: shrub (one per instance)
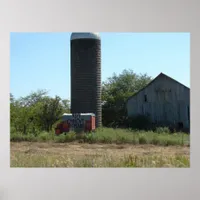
(16, 137)
(143, 139)
(155, 140)
(44, 136)
(109, 135)
(70, 137)
(140, 122)
(122, 139)
(90, 137)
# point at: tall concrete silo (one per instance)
(86, 74)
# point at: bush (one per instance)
(109, 135)
(70, 137)
(19, 137)
(90, 138)
(155, 140)
(122, 139)
(44, 136)
(16, 137)
(140, 122)
(143, 139)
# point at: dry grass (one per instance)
(26, 154)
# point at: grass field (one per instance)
(105, 148)
(26, 154)
(108, 135)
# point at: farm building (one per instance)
(164, 100)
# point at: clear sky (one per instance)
(42, 60)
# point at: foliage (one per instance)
(34, 117)
(108, 136)
(36, 112)
(39, 112)
(115, 92)
(139, 122)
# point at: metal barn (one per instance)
(164, 100)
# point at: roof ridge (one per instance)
(160, 74)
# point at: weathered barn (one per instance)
(164, 100)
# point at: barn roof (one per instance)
(151, 82)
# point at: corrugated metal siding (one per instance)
(167, 101)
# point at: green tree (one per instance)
(50, 110)
(115, 92)
(23, 116)
(36, 112)
(65, 105)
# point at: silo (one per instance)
(86, 74)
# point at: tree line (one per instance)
(38, 111)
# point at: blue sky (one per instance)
(42, 60)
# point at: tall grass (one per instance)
(40, 160)
(108, 135)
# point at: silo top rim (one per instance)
(75, 36)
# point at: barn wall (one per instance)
(167, 102)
